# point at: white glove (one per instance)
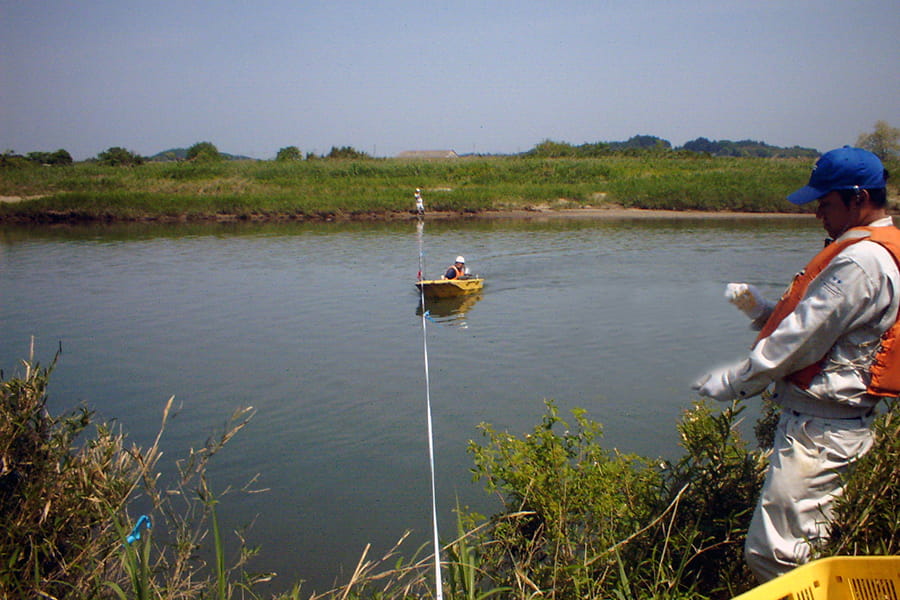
(747, 298)
(715, 385)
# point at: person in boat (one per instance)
(457, 270)
(831, 346)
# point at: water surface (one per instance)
(318, 327)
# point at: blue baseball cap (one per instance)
(845, 168)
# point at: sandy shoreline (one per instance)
(535, 213)
(546, 214)
(628, 213)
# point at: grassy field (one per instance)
(335, 189)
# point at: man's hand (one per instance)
(715, 385)
(747, 298)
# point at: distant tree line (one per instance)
(884, 141)
(291, 153)
(747, 148)
(649, 144)
(60, 157)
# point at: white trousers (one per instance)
(809, 457)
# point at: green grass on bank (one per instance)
(349, 188)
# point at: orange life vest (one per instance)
(459, 272)
(885, 368)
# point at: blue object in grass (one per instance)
(135, 534)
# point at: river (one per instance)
(317, 327)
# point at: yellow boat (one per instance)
(449, 288)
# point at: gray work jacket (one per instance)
(842, 317)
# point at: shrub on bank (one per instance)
(119, 157)
(595, 523)
(580, 521)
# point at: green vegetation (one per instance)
(747, 148)
(119, 157)
(204, 152)
(66, 503)
(884, 141)
(59, 158)
(201, 183)
(577, 520)
(346, 152)
(643, 144)
(289, 153)
(353, 188)
(868, 514)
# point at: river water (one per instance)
(318, 327)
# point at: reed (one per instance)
(66, 496)
(350, 188)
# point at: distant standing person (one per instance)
(420, 204)
(831, 346)
(457, 270)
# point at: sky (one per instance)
(483, 76)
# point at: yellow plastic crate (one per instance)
(835, 578)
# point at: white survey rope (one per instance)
(439, 592)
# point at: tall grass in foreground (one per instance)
(67, 490)
(577, 520)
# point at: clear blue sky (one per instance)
(483, 76)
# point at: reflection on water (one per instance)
(448, 311)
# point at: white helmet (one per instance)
(460, 259)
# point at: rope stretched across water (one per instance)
(439, 593)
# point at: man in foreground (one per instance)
(831, 346)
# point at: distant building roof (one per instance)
(428, 154)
